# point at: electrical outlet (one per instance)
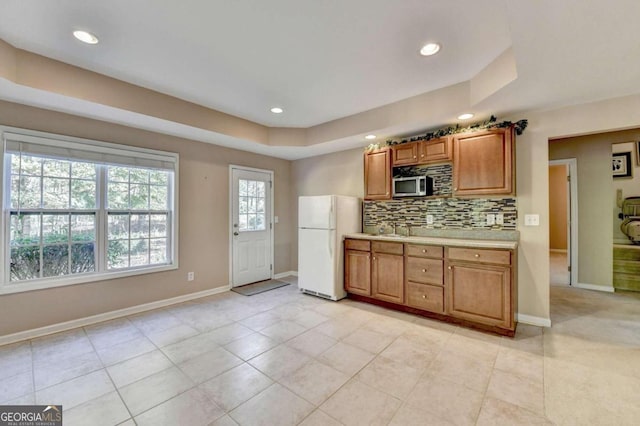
(491, 219)
(191, 276)
(499, 219)
(531, 220)
(429, 219)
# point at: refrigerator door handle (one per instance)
(330, 248)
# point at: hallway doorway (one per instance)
(563, 248)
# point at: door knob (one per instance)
(236, 234)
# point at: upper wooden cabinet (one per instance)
(436, 150)
(405, 154)
(424, 152)
(483, 163)
(377, 174)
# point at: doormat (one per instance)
(259, 287)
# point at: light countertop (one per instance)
(444, 241)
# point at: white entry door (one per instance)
(251, 236)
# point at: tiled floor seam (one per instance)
(110, 378)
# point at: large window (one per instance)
(78, 209)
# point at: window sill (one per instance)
(47, 283)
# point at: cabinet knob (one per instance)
(422, 155)
(424, 250)
(415, 157)
(374, 258)
(424, 270)
(449, 268)
(476, 255)
(455, 189)
(424, 296)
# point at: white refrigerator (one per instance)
(322, 223)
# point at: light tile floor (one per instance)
(284, 358)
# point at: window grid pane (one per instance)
(251, 202)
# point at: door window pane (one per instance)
(251, 205)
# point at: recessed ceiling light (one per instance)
(370, 137)
(430, 49)
(277, 110)
(85, 37)
(465, 116)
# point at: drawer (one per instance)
(424, 251)
(424, 270)
(424, 296)
(386, 247)
(362, 245)
(500, 257)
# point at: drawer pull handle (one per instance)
(476, 255)
(424, 250)
(424, 270)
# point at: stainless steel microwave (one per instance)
(413, 186)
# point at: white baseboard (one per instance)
(106, 316)
(595, 287)
(531, 320)
(558, 250)
(285, 274)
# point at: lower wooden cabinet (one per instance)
(480, 293)
(357, 272)
(469, 286)
(387, 277)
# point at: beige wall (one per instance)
(533, 184)
(596, 199)
(203, 227)
(340, 173)
(558, 207)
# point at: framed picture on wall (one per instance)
(621, 162)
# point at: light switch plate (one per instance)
(429, 219)
(531, 220)
(491, 219)
(499, 219)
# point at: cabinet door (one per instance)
(357, 272)
(436, 150)
(377, 175)
(387, 277)
(483, 163)
(405, 154)
(480, 293)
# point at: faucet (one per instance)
(381, 229)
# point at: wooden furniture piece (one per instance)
(475, 287)
(626, 267)
(483, 163)
(377, 174)
(423, 152)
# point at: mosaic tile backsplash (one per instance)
(448, 213)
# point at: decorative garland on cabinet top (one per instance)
(492, 123)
